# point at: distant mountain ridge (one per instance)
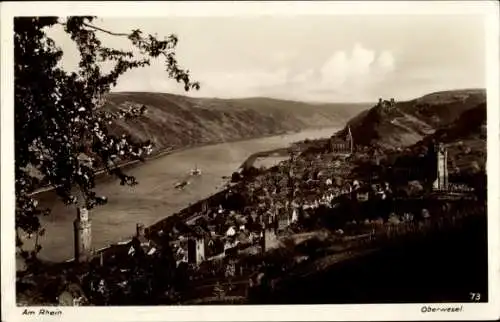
(411, 121)
(175, 121)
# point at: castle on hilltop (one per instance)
(386, 104)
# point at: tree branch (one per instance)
(105, 31)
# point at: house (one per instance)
(196, 239)
(283, 220)
(361, 194)
(231, 246)
(141, 243)
(243, 237)
(231, 231)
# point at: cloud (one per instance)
(243, 82)
(238, 83)
(354, 74)
(345, 75)
(282, 56)
(309, 58)
(358, 69)
(386, 61)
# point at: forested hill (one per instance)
(174, 121)
(411, 121)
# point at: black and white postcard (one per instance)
(250, 161)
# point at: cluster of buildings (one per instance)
(272, 202)
(249, 217)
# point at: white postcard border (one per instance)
(372, 312)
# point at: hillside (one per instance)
(465, 138)
(409, 122)
(174, 121)
(470, 125)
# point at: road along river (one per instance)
(155, 197)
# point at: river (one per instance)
(155, 197)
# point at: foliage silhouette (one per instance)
(61, 130)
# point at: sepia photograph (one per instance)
(247, 157)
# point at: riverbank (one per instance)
(104, 174)
(250, 161)
(155, 197)
(384, 231)
(185, 213)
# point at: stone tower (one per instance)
(83, 236)
(142, 234)
(140, 230)
(441, 181)
(269, 239)
(392, 103)
(196, 250)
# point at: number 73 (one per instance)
(475, 296)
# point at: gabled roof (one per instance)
(196, 231)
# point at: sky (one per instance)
(329, 58)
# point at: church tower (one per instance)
(350, 140)
(196, 250)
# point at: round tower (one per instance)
(83, 236)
